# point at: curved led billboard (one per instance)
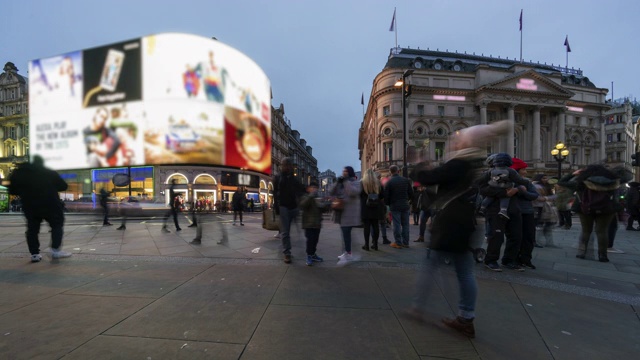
(161, 99)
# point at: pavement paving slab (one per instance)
(106, 347)
(57, 325)
(307, 332)
(222, 304)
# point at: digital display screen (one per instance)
(158, 100)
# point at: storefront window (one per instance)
(141, 182)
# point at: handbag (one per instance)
(337, 204)
(373, 200)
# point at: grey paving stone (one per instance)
(55, 326)
(122, 347)
(597, 271)
(336, 287)
(576, 327)
(223, 304)
(142, 280)
(328, 333)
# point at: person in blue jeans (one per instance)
(398, 191)
(454, 226)
(348, 188)
(286, 192)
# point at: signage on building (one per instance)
(229, 178)
(161, 99)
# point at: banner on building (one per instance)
(161, 99)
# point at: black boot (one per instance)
(374, 245)
(385, 241)
(365, 247)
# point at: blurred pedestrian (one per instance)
(348, 189)
(384, 223)
(104, 203)
(526, 194)
(425, 199)
(237, 203)
(454, 225)
(38, 188)
(311, 222)
(286, 193)
(174, 205)
(194, 218)
(632, 204)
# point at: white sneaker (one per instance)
(346, 256)
(36, 258)
(59, 254)
(615, 251)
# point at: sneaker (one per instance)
(316, 258)
(234, 223)
(419, 239)
(287, 258)
(580, 256)
(406, 246)
(165, 230)
(241, 224)
(396, 246)
(504, 214)
(528, 265)
(196, 242)
(513, 266)
(179, 229)
(36, 258)
(493, 266)
(386, 241)
(603, 259)
(277, 236)
(192, 225)
(59, 254)
(309, 260)
(122, 227)
(462, 325)
(615, 251)
(107, 224)
(222, 241)
(346, 256)
(538, 246)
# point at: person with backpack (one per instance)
(595, 204)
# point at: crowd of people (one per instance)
(469, 196)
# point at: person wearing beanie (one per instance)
(503, 177)
(526, 194)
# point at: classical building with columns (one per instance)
(452, 91)
(14, 122)
(620, 132)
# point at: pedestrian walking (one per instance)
(384, 222)
(174, 204)
(398, 191)
(454, 224)
(286, 193)
(372, 208)
(217, 225)
(563, 204)
(545, 212)
(104, 203)
(348, 189)
(237, 203)
(194, 218)
(311, 222)
(425, 200)
(38, 189)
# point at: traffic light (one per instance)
(635, 159)
(408, 89)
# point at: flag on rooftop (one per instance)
(393, 21)
(566, 43)
(520, 19)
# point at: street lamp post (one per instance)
(560, 152)
(406, 91)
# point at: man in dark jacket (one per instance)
(398, 191)
(237, 202)
(173, 211)
(286, 192)
(38, 188)
(104, 202)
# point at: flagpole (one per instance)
(520, 35)
(396, 25)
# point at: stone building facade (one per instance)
(287, 142)
(452, 91)
(620, 132)
(14, 121)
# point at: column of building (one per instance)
(511, 135)
(536, 145)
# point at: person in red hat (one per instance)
(526, 194)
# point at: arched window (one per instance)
(180, 179)
(204, 179)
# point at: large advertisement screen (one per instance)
(161, 99)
